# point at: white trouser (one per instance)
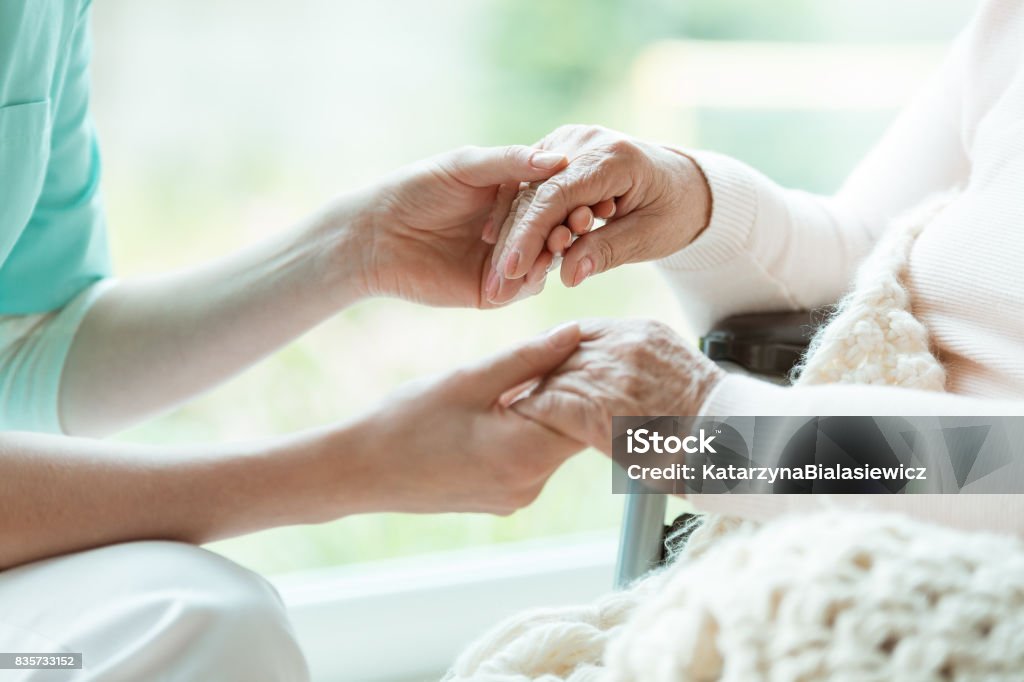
(148, 611)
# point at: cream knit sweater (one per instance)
(768, 248)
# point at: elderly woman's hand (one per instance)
(621, 368)
(655, 198)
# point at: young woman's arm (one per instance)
(441, 446)
(147, 344)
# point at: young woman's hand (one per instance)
(656, 201)
(450, 444)
(430, 227)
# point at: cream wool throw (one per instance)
(829, 596)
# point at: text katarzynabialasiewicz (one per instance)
(807, 472)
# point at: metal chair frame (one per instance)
(767, 345)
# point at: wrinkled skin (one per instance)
(655, 200)
(621, 368)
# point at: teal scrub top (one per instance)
(53, 240)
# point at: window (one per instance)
(225, 121)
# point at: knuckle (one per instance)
(635, 351)
(513, 154)
(621, 146)
(662, 334)
(455, 161)
(553, 193)
(653, 329)
(633, 385)
(604, 252)
(570, 129)
(526, 356)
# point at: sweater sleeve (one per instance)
(33, 351)
(738, 395)
(767, 248)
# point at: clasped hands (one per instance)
(454, 231)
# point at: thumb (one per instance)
(617, 243)
(488, 166)
(568, 414)
(533, 359)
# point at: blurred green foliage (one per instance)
(549, 62)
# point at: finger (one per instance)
(583, 185)
(487, 166)
(508, 290)
(539, 270)
(489, 379)
(517, 209)
(604, 209)
(566, 413)
(581, 220)
(559, 240)
(533, 283)
(492, 284)
(617, 243)
(517, 392)
(499, 212)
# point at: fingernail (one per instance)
(488, 234)
(564, 335)
(546, 160)
(491, 288)
(583, 270)
(511, 263)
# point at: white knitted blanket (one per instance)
(829, 596)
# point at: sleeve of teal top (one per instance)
(33, 350)
(63, 248)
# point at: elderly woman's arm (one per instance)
(637, 367)
(765, 247)
(768, 248)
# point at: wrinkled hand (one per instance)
(425, 242)
(655, 199)
(449, 444)
(621, 368)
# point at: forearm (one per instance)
(149, 343)
(737, 395)
(61, 494)
(772, 248)
(766, 248)
(743, 396)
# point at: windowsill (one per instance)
(408, 619)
